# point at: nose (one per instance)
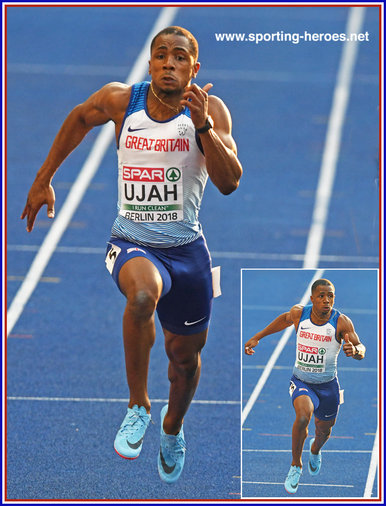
(168, 61)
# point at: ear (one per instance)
(196, 68)
(312, 299)
(149, 71)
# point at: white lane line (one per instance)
(372, 468)
(333, 140)
(43, 279)
(228, 255)
(258, 307)
(91, 399)
(207, 73)
(324, 451)
(290, 367)
(81, 184)
(300, 484)
(275, 355)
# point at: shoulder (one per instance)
(296, 311)
(115, 93)
(344, 323)
(218, 109)
(222, 121)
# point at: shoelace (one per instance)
(294, 473)
(175, 446)
(132, 424)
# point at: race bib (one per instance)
(311, 359)
(151, 194)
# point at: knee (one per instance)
(303, 420)
(184, 363)
(141, 305)
(324, 432)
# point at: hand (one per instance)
(196, 100)
(249, 345)
(348, 347)
(38, 195)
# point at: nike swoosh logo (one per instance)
(166, 468)
(136, 445)
(135, 129)
(313, 469)
(192, 323)
(304, 328)
(327, 416)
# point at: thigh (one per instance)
(134, 266)
(329, 401)
(298, 389)
(186, 308)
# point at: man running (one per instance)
(320, 332)
(170, 137)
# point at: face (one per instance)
(323, 299)
(171, 64)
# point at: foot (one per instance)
(129, 438)
(171, 457)
(315, 461)
(292, 481)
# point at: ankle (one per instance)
(146, 405)
(171, 427)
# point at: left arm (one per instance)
(352, 346)
(220, 150)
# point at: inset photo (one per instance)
(311, 394)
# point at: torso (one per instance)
(161, 176)
(317, 348)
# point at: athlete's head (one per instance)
(182, 32)
(321, 282)
(322, 296)
(173, 60)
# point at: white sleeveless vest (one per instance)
(317, 348)
(161, 177)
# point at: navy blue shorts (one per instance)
(187, 292)
(324, 396)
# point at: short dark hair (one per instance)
(323, 282)
(178, 30)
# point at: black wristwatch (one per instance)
(208, 125)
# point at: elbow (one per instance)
(231, 184)
(227, 189)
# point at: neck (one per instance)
(175, 109)
(322, 317)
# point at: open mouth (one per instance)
(168, 79)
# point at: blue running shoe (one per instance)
(171, 457)
(292, 481)
(315, 461)
(128, 441)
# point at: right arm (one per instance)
(280, 323)
(108, 103)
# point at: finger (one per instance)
(191, 96)
(346, 338)
(31, 221)
(24, 213)
(197, 91)
(51, 211)
(207, 87)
